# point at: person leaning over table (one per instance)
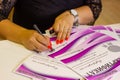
(58, 14)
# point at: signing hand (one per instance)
(32, 40)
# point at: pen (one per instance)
(38, 30)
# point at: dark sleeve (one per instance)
(5, 8)
(95, 6)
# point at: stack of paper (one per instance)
(92, 53)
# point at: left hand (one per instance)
(62, 26)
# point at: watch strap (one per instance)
(76, 17)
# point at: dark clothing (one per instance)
(43, 12)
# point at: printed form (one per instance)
(92, 53)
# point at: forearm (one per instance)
(85, 15)
(10, 31)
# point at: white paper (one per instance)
(93, 54)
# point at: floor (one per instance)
(110, 13)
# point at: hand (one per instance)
(62, 26)
(32, 40)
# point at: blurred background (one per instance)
(110, 13)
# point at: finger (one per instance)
(60, 33)
(65, 32)
(36, 50)
(68, 34)
(43, 39)
(56, 27)
(48, 40)
(39, 46)
(31, 47)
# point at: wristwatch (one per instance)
(76, 17)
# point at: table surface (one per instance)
(9, 60)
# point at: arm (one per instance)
(95, 7)
(9, 30)
(5, 8)
(87, 14)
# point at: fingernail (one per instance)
(66, 38)
(57, 41)
(49, 47)
(61, 41)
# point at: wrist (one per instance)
(74, 13)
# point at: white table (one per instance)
(10, 58)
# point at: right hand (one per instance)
(32, 40)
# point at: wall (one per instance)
(110, 13)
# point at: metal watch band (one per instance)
(76, 17)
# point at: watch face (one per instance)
(74, 12)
